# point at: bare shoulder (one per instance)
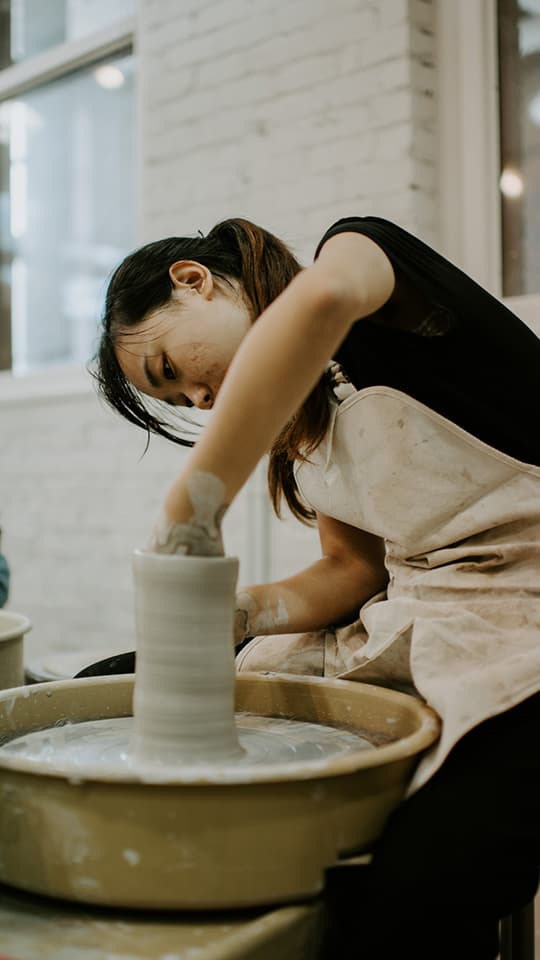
(360, 268)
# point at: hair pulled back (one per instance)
(263, 265)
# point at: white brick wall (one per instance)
(292, 114)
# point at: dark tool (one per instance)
(121, 663)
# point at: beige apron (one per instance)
(459, 624)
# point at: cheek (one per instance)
(205, 363)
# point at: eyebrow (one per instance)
(152, 379)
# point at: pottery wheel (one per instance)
(109, 840)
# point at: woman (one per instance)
(424, 482)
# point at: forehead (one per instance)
(144, 338)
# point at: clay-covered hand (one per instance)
(193, 530)
(188, 539)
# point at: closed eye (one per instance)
(168, 371)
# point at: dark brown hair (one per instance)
(263, 265)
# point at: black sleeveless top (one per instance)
(447, 342)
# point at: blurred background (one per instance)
(124, 122)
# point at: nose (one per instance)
(202, 397)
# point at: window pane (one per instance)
(67, 210)
(29, 26)
(519, 58)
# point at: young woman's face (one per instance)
(180, 353)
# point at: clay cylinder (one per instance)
(185, 676)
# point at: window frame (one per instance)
(469, 139)
(52, 64)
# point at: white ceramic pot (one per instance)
(13, 626)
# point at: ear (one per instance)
(189, 275)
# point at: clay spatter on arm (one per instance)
(251, 619)
(201, 535)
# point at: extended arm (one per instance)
(276, 366)
(328, 592)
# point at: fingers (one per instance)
(186, 539)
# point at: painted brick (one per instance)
(392, 12)
(395, 75)
(386, 45)
(389, 109)
(394, 141)
(421, 40)
(297, 13)
(216, 73)
(339, 153)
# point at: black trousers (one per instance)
(454, 859)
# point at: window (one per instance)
(488, 56)
(519, 73)
(28, 27)
(67, 191)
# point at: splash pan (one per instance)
(202, 844)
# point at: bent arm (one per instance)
(326, 593)
(278, 364)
